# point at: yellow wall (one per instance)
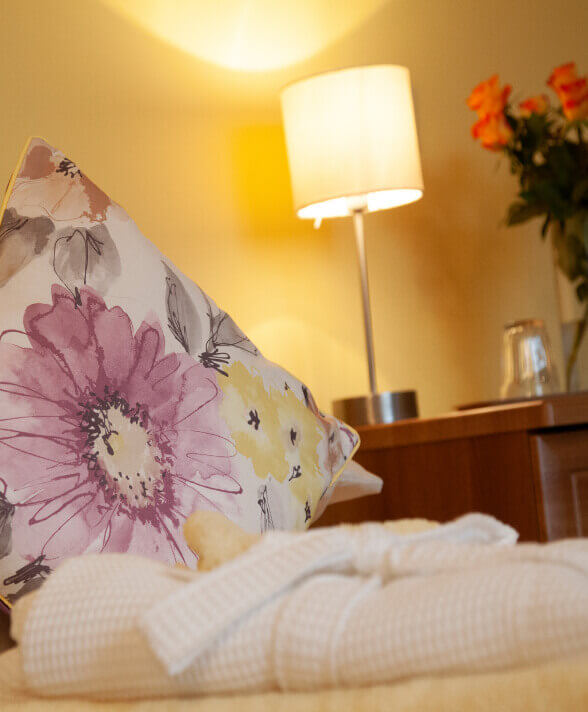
(196, 154)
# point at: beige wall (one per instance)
(196, 155)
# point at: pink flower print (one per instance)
(106, 442)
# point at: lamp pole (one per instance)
(365, 293)
(377, 407)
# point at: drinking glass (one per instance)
(527, 361)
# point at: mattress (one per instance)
(556, 687)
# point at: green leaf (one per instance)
(580, 191)
(512, 121)
(520, 212)
(529, 196)
(582, 291)
(560, 161)
(538, 127)
(545, 226)
(549, 195)
(570, 253)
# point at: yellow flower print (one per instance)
(275, 430)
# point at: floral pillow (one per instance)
(128, 399)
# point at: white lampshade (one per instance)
(352, 141)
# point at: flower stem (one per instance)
(578, 336)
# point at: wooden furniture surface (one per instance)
(525, 463)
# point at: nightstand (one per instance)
(525, 463)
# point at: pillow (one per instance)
(353, 482)
(128, 399)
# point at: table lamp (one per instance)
(352, 149)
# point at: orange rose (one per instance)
(493, 131)
(534, 105)
(571, 90)
(574, 99)
(488, 98)
(563, 74)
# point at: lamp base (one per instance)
(377, 408)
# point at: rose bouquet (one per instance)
(547, 149)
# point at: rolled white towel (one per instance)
(337, 606)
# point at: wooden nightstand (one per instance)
(525, 463)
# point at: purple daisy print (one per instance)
(107, 443)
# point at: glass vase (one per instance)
(570, 248)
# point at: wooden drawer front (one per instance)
(561, 465)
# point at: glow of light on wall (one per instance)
(248, 35)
